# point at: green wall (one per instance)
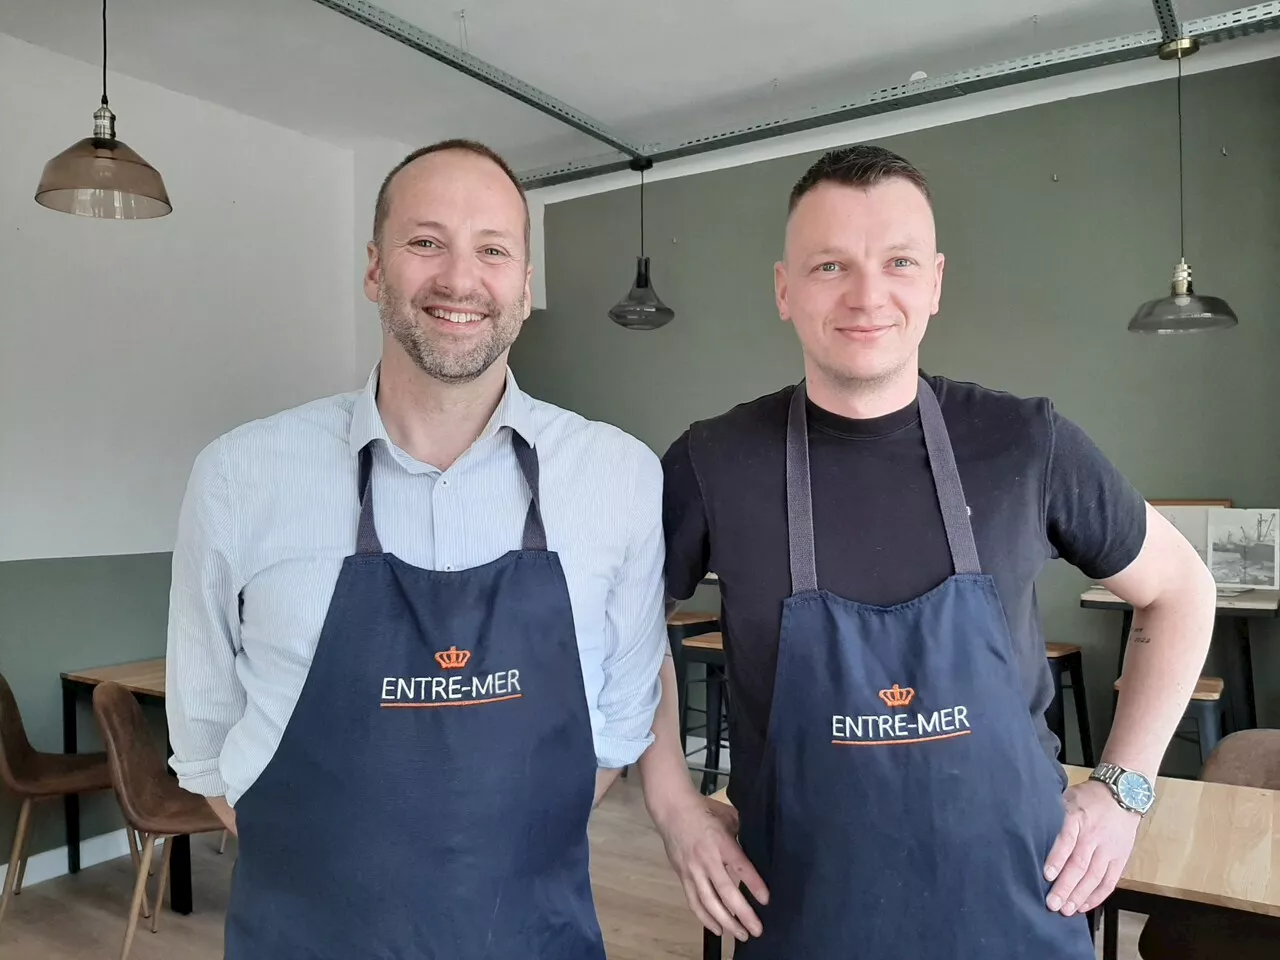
(65, 615)
(1057, 221)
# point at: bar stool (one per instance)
(1066, 658)
(708, 649)
(34, 777)
(681, 626)
(1208, 710)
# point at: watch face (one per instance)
(1135, 790)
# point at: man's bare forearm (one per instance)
(224, 812)
(662, 767)
(1167, 646)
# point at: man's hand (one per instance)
(701, 842)
(224, 812)
(1091, 851)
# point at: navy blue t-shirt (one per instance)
(1037, 486)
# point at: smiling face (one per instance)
(859, 279)
(450, 270)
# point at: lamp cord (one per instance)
(642, 213)
(1182, 203)
(104, 52)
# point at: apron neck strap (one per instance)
(534, 536)
(946, 479)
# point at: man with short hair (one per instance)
(416, 630)
(877, 533)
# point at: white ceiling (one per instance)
(655, 70)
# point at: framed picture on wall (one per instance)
(1191, 518)
(1244, 547)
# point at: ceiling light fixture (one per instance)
(641, 309)
(1183, 311)
(100, 176)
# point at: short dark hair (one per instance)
(861, 165)
(382, 205)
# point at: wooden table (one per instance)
(1213, 844)
(145, 680)
(1244, 611)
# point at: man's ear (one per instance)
(373, 273)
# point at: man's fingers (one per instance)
(1105, 888)
(1089, 883)
(1062, 847)
(741, 869)
(713, 905)
(1076, 867)
(735, 902)
(695, 904)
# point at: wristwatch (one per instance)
(1132, 790)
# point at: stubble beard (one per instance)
(432, 353)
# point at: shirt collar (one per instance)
(513, 411)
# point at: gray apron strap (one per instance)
(533, 538)
(946, 479)
(804, 568)
(535, 534)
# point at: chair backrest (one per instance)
(1246, 758)
(137, 766)
(16, 753)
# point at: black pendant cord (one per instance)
(642, 213)
(104, 52)
(1182, 202)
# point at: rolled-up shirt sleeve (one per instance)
(203, 696)
(636, 626)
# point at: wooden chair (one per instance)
(34, 777)
(1067, 659)
(1247, 758)
(152, 802)
(1208, 710)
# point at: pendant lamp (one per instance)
(641, 309)
(1183, 311)
(100, 176)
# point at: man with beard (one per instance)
(416, 630)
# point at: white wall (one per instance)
(126, 346)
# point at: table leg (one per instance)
(710, 945)
(71, 802)
(180, 875)
(1110, 930)
(1238, 667)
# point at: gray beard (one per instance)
(436, 357)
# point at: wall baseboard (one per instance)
(53, 863)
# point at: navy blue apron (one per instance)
(430, 795)
(904, 807)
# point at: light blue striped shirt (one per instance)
(271, 510)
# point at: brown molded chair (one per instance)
(36, 776)
(152, 802)
(1248, 758)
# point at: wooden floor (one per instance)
(641, 906)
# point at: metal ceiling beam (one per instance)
(418, 39)
(1258, 18)
(1167, 19)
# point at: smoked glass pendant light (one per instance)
(101, 176)
(1183, 311)
(641, 309)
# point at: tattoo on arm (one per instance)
(1139, 635)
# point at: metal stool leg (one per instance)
(1075, 663)
(710, 779)
(1055, 716)
(710, 945)
(1208, 714)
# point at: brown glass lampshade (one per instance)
(101, 176)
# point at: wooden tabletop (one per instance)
(1207, 842)
(142, 676)
(1257, 602)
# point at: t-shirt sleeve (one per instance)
(1095, 519)
(684, 521)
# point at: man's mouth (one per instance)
(454, 316)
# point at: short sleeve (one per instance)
(1094, 517)
(684, 521)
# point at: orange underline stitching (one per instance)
(895, 743)
(456, 703)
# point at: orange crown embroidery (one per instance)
(897, 696)
(453, 658)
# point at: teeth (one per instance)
(454, 317)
